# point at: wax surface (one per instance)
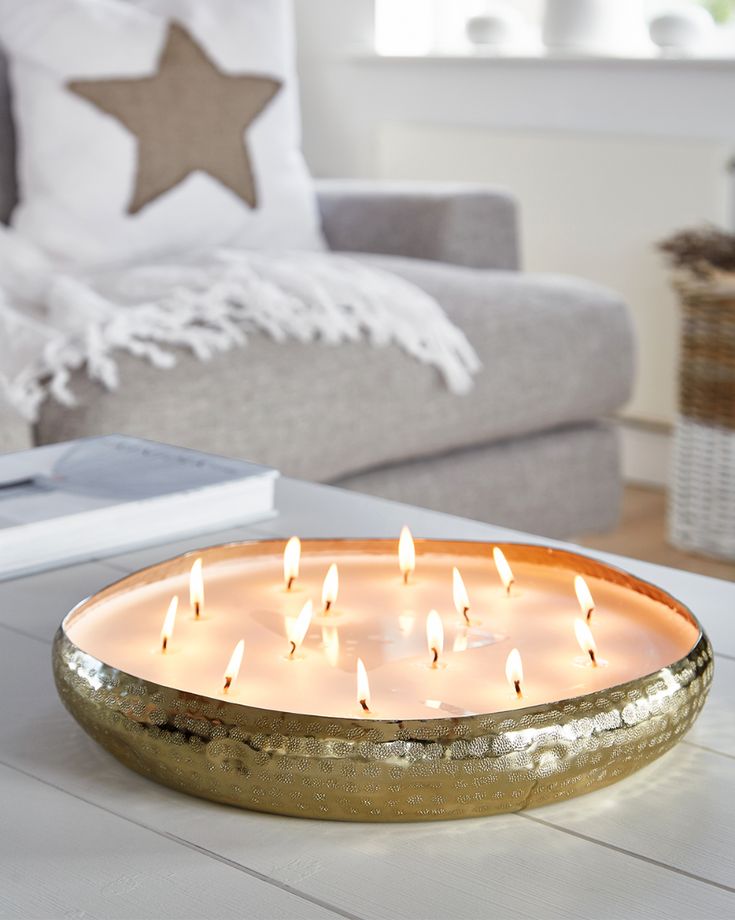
(382, 621)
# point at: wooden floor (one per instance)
(642, 535)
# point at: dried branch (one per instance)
(701, 250)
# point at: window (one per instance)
(421, 27)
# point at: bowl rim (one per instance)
(236, 712)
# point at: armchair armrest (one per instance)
(459, 224)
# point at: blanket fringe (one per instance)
(209, 308)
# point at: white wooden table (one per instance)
(81, 836)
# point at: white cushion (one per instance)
(77, 164)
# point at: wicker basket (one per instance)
(702, 510)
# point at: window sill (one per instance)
(542, 60)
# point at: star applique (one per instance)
(188, 116)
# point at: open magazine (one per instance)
(87, 498)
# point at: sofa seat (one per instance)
(555, 352)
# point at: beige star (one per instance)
(188, 116)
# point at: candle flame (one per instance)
(406, 554)
(291, 559)
(196, 588)
(586, 640)
(298, 628)
(233, 667)
(514, 671)
(330, 640)
(330, 588)
(504, 570)
(434, 636)
(167, 630)
(584, 596)
(461, 598)
(363, 686)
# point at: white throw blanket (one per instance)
(55, 321)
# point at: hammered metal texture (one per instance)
(373, 770)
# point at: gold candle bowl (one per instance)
(370, 769)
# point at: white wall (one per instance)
(593, 206)
(661, 131)
(338, 140)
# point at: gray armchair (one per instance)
(528, 447)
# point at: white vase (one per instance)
(500, 27)
(684, 30)
(594, 26)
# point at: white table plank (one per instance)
(36, 604)
(680, 811)
(462, 867)
(95, 864)
(311, 510)
(139, 558)
(715, 727)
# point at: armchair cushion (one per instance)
(460, 224)
(555, 351)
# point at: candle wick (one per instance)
(327, 606)
(164, 643)
(508, 587)
(592, 656)
(436, 657)
(465, 614)
(364, 705)
(293, 648)
(228, 684)
(589, 614)
(290, 582)
(405, 577)
(196, 610)
(517, 685)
